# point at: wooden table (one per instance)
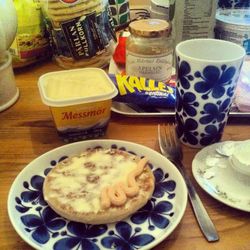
(27, 131)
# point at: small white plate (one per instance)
(42, 228)
(214, 174)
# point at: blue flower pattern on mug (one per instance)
(45, 226)
(214, 81)
(187, 102)
(183, 72)
(213, 134)
(187, 130)
(215, 112)
(230, 91)
(125, 239)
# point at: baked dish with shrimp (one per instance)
(99, 186)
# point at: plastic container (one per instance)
(80, 101)
(234, 25)
(162, 9)
(9, 93)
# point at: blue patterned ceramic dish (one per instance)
(42, 228)
(207, 72)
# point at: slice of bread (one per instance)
(76, 187)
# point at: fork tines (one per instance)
(169, 142)
(169, 134)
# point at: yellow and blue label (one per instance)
(82, 121)
(143, 91)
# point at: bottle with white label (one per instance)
(149, 49)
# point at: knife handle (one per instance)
(203, 219)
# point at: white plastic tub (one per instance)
(234, 25)
(80, 101)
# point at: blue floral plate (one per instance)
(42, 228)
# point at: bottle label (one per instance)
(82, 37)
(157, 67)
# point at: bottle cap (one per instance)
(150, 28)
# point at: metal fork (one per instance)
(170, 147)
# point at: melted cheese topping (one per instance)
(68, 85)
(79, 184)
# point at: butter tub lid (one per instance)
(78, 86)
(234, 16)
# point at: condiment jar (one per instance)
(149, 49)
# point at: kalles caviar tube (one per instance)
(144, 92)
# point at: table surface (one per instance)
(27, 131)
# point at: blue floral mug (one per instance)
(207, 73)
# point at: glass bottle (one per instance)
(149, 49)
